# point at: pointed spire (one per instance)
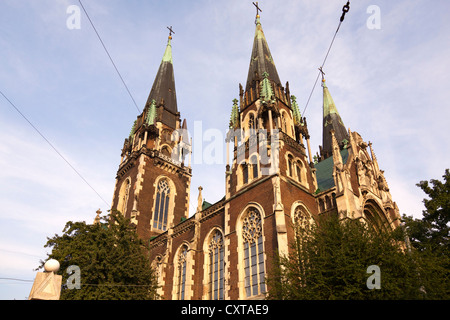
(331, 121)
(163, 88)
(261, 60)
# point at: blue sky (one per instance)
(389, 84)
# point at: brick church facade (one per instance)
(224, 250)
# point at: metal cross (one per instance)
(257, 7)
(321, 71)
(170, 31)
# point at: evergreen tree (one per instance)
(112, 260)
(432, 232)
(331, 261)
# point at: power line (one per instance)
(345, 9)
(53, 147)
(15, 279)
(110, 58)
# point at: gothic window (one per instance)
(299, 170)
(253, 253)
(161, 205)
(254, 163)
(216, 266)
(284, 124)
(328, 202)
(290, 164)
(302, 219)
(321, 205)
(181, 273)
(245, 173)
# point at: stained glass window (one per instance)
(253, 253)
(161, 205)
(216, 265)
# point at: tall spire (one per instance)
(331, 121)
(261, 60)
(163, 88)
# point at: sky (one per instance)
(387, 73)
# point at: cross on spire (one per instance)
(321, 71)
(170, 32)
(257, 8)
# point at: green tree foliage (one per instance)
(330, 261)
(432, 232)
(112, 260)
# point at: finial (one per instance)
(257, 11)
(323, 73)
(257, 8)
(170, 32)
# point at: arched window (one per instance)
(299, 170)
(254, 163)
(321, 205)
(302, 219)
(216, 266)
(161, 205)
(253, 253)
(123, 196)
(181, 272)
(284, 124)
(245, 173)
(290, 164)
(328, 202)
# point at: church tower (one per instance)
(153, 179)
(349, 179)
(270, 182)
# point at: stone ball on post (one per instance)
(51, 265)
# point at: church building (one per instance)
(225, 250)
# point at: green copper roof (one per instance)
(331, 121)
(206, 205)
(328, 104)
(167, 57)
(324, 171)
